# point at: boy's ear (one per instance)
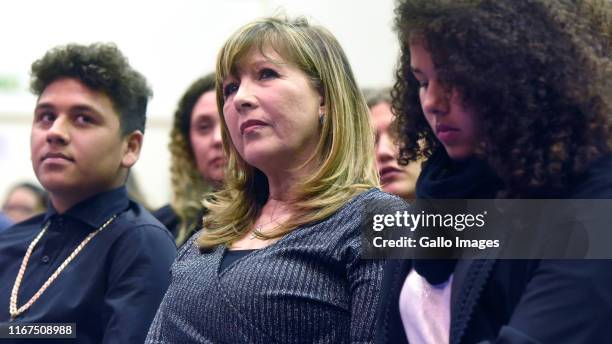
(132, 144)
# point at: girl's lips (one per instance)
(447, 134)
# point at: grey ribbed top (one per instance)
(311, 286)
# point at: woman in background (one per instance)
(503, 98)
(279, 259)
(23, 201)
(394, 178)
(197, 158)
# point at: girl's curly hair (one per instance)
(536, 73)
(188, 186)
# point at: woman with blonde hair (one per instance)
(279, 259)
(197, 158)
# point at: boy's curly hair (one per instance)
(536, 73)
(101, 67)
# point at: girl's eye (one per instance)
(229, 89)
(267, 73)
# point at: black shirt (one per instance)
(168, 217)
(111, 289)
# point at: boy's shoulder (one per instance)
(137, 218)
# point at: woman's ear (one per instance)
(322, 107)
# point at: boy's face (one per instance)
(76, 146)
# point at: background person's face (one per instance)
(394, 178)
(21, 204)
(454, 125)
(272, 113)
(205, 136)
(76, 143)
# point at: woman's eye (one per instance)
(267, 73)
(229, 89)
(205, 127)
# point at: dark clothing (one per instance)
(5, 222)
(519, 301)
(111, 289)
(231, 256)
(168, 218)
(444, 178)
(311, 286)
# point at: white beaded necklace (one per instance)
(13, 310)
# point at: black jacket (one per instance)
(519, 301)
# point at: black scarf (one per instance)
(444, 178)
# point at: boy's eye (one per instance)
(229, 89)
(84, 119)
(267, 73)
(45, 117)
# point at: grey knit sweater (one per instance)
(311, 286)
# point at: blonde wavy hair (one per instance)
(345, 150)
(188, 186)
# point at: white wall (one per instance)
(171, 43)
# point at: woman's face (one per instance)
(272, 112)
(21, 204)
(394, 178)
(453, 124)
(205, 137)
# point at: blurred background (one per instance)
(171, 43)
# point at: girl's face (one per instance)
(453, 124)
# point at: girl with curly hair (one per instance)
(504, 99)
(197, 158)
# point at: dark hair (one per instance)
(101, 67)
(536, 74)
(375, 96)
(42, 197)
(182, 116)
(188, 186)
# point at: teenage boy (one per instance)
(95, 258)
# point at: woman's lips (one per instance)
(389, 174)
(251, 125)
